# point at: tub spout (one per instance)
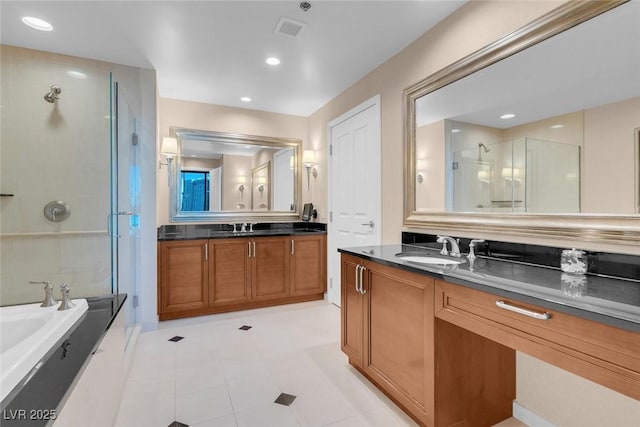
(66, 303)
(49, 300)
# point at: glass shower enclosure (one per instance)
(75, 150)
(524, 175)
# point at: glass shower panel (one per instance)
(54, 150)
(125, 205)
(473, 171)
(553, 177)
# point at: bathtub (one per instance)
(27, 333)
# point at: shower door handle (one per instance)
(110, 220)
(109, 226)
(126, 213)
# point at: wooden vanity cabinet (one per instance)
(388, 331)
(307, 261)
(229, 272)
(183, 268)
(269, 268)
(197, 277)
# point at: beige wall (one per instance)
(468, 29)
(471, 27)
(196, 115)
(608, 153)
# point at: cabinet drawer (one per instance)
(604, 354)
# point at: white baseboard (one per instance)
(528, 417)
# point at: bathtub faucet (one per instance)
(66, 303)
(49, 300)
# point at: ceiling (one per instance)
(215, 51)
(592, 64)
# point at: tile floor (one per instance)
(222, 376)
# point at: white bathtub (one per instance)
(27, 333)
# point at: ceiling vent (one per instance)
(289, 27)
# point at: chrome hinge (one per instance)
(331, 149)
(331, 283)
(135, 301)
(331, 216)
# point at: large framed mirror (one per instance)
(533, 135)
(219, 176)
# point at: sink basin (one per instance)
(420, 259)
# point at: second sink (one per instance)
(421, 259)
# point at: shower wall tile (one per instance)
(48, 152)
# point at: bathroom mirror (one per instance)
(537, 128)
(221, 176)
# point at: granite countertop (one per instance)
(608, 300)
(225, 231)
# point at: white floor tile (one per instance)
(252, 391)
(219, 376)
(269, 415)
(203, 405)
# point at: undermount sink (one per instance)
(421, 259)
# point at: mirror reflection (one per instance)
(218, 174)
(550, 129)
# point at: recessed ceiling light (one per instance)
(507, 116)
(37, 23)
(76, 74)
(455, 130)
(557, 126)
(245, 99)
(272, 60)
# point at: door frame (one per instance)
(333, 261)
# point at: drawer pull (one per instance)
(535, 315)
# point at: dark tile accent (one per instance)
(285, 399)
(176, 338)
(178, 424)
(245, 327)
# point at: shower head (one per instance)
(53, 93)
(484, 147)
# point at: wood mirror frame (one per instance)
(598, 228)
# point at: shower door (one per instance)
(125, 209)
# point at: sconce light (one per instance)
(261, 182)
(511, 174)
(168, 149)
(419, 167)
(242, 180)
(484, 176)
(309, 161)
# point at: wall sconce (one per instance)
(419, 175)
(511, 174)
(309, 161)
(168, 149)
(484, 176)
(261, 182)
(242, 180)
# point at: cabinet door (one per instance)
(307, 265)
(270, 268)
(184, 275)
(399, 336)
(229, 271)
(352, 311)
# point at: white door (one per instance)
(355, 172)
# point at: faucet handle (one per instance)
(66, 303)
(234, 227)
(251, 224)
(443, 240)
(49, 300)
(472, 246)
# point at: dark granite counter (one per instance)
(609, 300)
(225, 231)
(36, 400)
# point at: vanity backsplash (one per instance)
(601, 263)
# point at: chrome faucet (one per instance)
(251, 224)
(49, 300)
(66, 303)
(455, 249)
(472, 246)
(243, 229)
